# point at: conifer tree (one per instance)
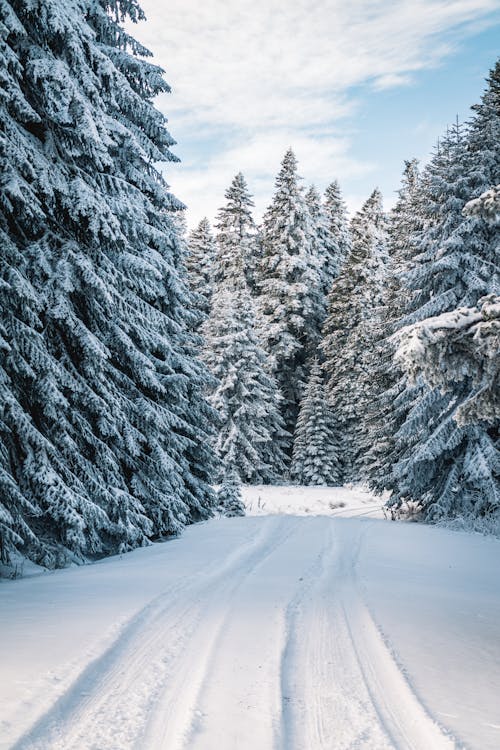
(335, 212)
(251, 437)
(200, 261)
(453, 469)
(103, 427)
(391, 388)
(230, 503)
(348, 344)
(290, 294)
(237, 236)
(323, 245)
(316, 444)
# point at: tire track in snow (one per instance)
(276, 635)
(109, 703)
(178, 715)
(325, 703)
(341, 687)
(243, 677)
(400, 712)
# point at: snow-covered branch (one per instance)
(458, 347)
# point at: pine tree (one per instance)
(335, 212)
(237, 236)
(251, 438)
(348, 344)
(290, 296)
(230, 503)
(103, 427)
(200, 262)
(316, 445)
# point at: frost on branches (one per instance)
(103, 429)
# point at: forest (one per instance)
(146, 373)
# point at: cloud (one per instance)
(251, 77)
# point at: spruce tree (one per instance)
(323, 245)
(251, 437)
(453, 469)
(103, 428)
(230, 503)
(316, 444)
(237, 236)
(391, 388)
(335, 212)
(290, 294)
(200, 261)
(348, 343)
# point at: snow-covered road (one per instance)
(277, 631)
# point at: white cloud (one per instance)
(259, 75)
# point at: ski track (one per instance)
(275, 635)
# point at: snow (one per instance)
(295, 627)
(317, 501)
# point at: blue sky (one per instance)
(355, 88)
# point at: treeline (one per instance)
(363, 351)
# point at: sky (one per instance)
(355, 87)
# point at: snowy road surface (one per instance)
(294, 632)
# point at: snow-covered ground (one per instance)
(299, 631)
(263, 500)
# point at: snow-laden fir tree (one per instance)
(348, 344)
(391, 388)
(238, 244)
(229, 498)
(317, 444)
(335, 212)
(200, 261)
(453, 469)
(290, 291)
(104, 432)
(251, 437)
(324, 245)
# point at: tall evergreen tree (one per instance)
(391, 388)
(316, 444)
(200, 264)
(237, 236)
(290, 294)
(335, 212)
(453, 469)
(323, 246)
(103, 427)
(251, 436)
(348, 344)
